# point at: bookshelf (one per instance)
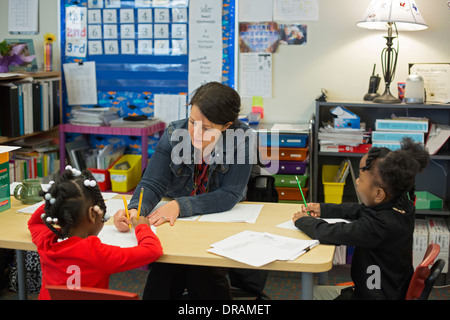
(433, 179)
(31, 110)
(143, 133)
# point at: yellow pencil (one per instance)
(126, 209)
(140, 203)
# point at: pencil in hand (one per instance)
(303, 197)
(126, 209)
(140, 203)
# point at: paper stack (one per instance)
(349, 137)
(92, 116)
(259, 248)
(133, 124)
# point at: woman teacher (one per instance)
(204, 163)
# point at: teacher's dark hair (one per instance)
(219, 103)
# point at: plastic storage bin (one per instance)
(289, 181)
(333, 191)
(428, 201)
(289, 154)
(125, 180)
(291, 194)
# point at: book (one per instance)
(10, 119)
(402, 124)
(378, 136)
(438, 135)
(362, 148)
(354, 177)
(342, 172)
(37, 125)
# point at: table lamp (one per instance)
(388, 14)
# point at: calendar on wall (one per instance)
(140, 49)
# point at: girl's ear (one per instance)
(92, 215)
(380, 195)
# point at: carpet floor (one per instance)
(279, 285)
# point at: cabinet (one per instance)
(143, 133)
(433, 179)
(286, 152)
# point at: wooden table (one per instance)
(187, 241)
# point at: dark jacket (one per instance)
(170, 172)
(382, 236)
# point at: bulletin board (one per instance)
(140, 48)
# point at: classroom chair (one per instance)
(424, 277)
(58, 292)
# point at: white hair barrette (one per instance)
(90, 183)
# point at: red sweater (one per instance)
(93, 260)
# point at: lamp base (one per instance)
(386, 97)
(370, 96)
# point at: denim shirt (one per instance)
(170, 172)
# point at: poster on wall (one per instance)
(205, 42)
(296, 10)
(255, 72)
(23, 16)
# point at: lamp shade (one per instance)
(404, 13)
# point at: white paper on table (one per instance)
(109, 195)
(4, 149)
(239, 213)
(81, 83)
(290, 224)
(110, 235)
(31, 209)
(258, 248)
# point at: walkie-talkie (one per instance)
(374, 82)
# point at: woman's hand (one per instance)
(121, 221)
(168, 212)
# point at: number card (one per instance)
(95, 47)
(128, 47)
(94, 16)
(127, 31)
(145, 47)
(145, 31)
(111, 47)
(76, 35)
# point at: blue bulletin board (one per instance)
(140, 48)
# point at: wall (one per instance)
(48, 23)
(338, 56)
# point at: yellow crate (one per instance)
(125, 180)
(333, 191)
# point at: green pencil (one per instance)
(303, 197)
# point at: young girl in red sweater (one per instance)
(65, 231)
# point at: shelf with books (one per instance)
(433, 179)
(30, 103)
